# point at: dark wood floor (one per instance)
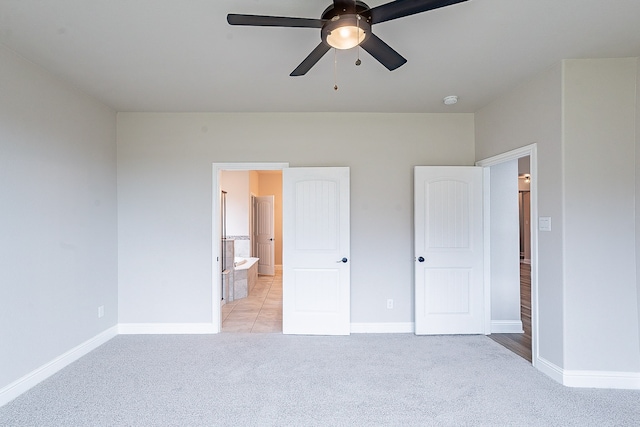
(520, 343)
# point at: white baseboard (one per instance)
(506, 327)
(590, 379)
(383, 328)
(549, 369)
(166, 328)
(602, 379)
(21, 385)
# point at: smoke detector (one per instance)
(450, 100)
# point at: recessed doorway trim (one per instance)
(216, 235)
(530, 150)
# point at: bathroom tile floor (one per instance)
(260, 312)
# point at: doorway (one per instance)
(525, 284)
(315, 211)
(263, 285)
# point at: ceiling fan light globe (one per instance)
(345, 37)
(345, 32)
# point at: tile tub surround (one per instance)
(245, 278)
(225, 284)
(228, 279)
(242, 245)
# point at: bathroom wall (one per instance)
(237, 184)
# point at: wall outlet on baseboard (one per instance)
(389, 303)
(100, 311)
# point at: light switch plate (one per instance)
(544, 223)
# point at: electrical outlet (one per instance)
(100, 311)
(389, 303)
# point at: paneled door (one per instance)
(265, 234)
(316, 261)
(449, 263)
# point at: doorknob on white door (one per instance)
(420, 259)
(343, 260)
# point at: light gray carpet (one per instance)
(271, 379)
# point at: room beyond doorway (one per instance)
(218, 301)
(260, 312)
(520, 343)
(522, 318)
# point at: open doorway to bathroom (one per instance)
(248, 289)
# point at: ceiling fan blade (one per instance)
(400, 8)
(273, 21)
(311, 60)
(382, 52)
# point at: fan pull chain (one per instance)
(335, 69)
(358, 62)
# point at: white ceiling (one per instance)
(181, 55)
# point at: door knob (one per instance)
(420, 259)
(343, 260)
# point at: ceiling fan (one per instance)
(347, 24)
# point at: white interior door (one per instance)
(448, 250)
(265, 232)
(316, 262)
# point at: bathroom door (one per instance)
(265, 232)
(316, 286)
(449, 250)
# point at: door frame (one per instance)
(216, 277)
(530, 150)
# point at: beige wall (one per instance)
(58, 219)
(601, 312)
(583, 116)
(165, 198)
(533, 113)
(638, 187)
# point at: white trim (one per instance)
(602, 379)
(550, 369)
(166, 328)
(383, 328)
(590, 379)
(486, 238)
(530, 150)
(506, 327)
(215, 229)
(509, 155)
(21, 385)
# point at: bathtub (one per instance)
(245, 272)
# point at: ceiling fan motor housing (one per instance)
(348, 7)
